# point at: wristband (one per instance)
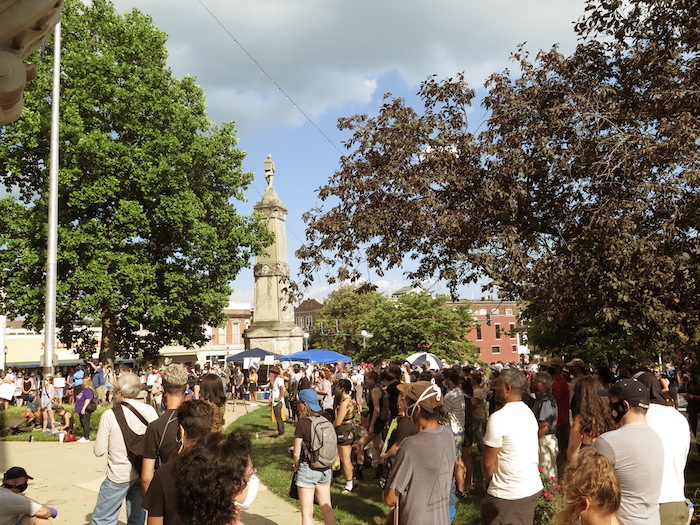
(54, 512)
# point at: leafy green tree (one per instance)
(343, 317)
(417, 322)
(579, 194)
(149, 236)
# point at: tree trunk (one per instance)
(108, 336)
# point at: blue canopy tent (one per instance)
(316, 356)
(258, 353)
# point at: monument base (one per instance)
(282, 338)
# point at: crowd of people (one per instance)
(417, 435)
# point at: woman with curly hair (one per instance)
(591, 491)
(344, 424)
(211, 390)
(215, 480)
(591, 415)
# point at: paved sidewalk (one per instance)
(67, 476)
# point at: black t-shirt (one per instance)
(160, 441)
(392, 392)
(161, 497)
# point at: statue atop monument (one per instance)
(269, 170)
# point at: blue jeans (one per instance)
(109, 503)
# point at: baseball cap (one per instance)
(577, 362)
(16, 473)
(310, 397)
(274, 370)
(555, 361)
(424, 393)
(630, 390)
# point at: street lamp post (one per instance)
(306, 340)
(365, 335)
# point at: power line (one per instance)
(274, 82)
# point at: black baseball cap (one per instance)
(634, 392)
(16, 473)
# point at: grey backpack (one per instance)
(320, 453)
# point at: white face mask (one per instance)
(253, 486)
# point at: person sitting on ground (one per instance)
(17, 508)
(591, 491)
(33, 411)
(215, 480)
(194, 419)
(64, 421)
(211, 391)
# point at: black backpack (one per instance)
(134, 442)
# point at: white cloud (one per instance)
(325, 54)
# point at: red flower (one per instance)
(553, 478)
(547, 494)
(541, 469)
(557, 487)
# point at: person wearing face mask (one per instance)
(194, 420)
(635, 452)
(215, 480)
(14, 506)
(420, 480)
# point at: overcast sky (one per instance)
(335, 59)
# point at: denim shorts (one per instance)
(308, 478)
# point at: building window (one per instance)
(498, 331)
(495, 349)
(515, 349)
(482, 311)
(509, 311)
(495, 311)
(236, 333)
(511, 330)
(478, 333)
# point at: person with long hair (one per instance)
(591, 415)
(345, 430)
(211, 391)
(194, 420)
(47, 401)
(82, 402)
(311, 484)
(215, 480)
(253, 386)
(591, 491)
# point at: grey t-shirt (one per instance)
(637, 454)
(422, 474)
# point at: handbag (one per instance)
(69, 437)
(293, 489)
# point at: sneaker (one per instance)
(83, 440)
(347, 490)
(253, 404)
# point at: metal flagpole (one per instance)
(52, 243)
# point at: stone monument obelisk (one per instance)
(273, 327)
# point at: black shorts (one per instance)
(378, 428)
(346, 434)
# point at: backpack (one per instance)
(320, 453)
(135, 444)
(384, 410)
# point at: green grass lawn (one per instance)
(13, 412)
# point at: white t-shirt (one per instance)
(12, 506)
(674, 431)
(513, 430)
(276, 389)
